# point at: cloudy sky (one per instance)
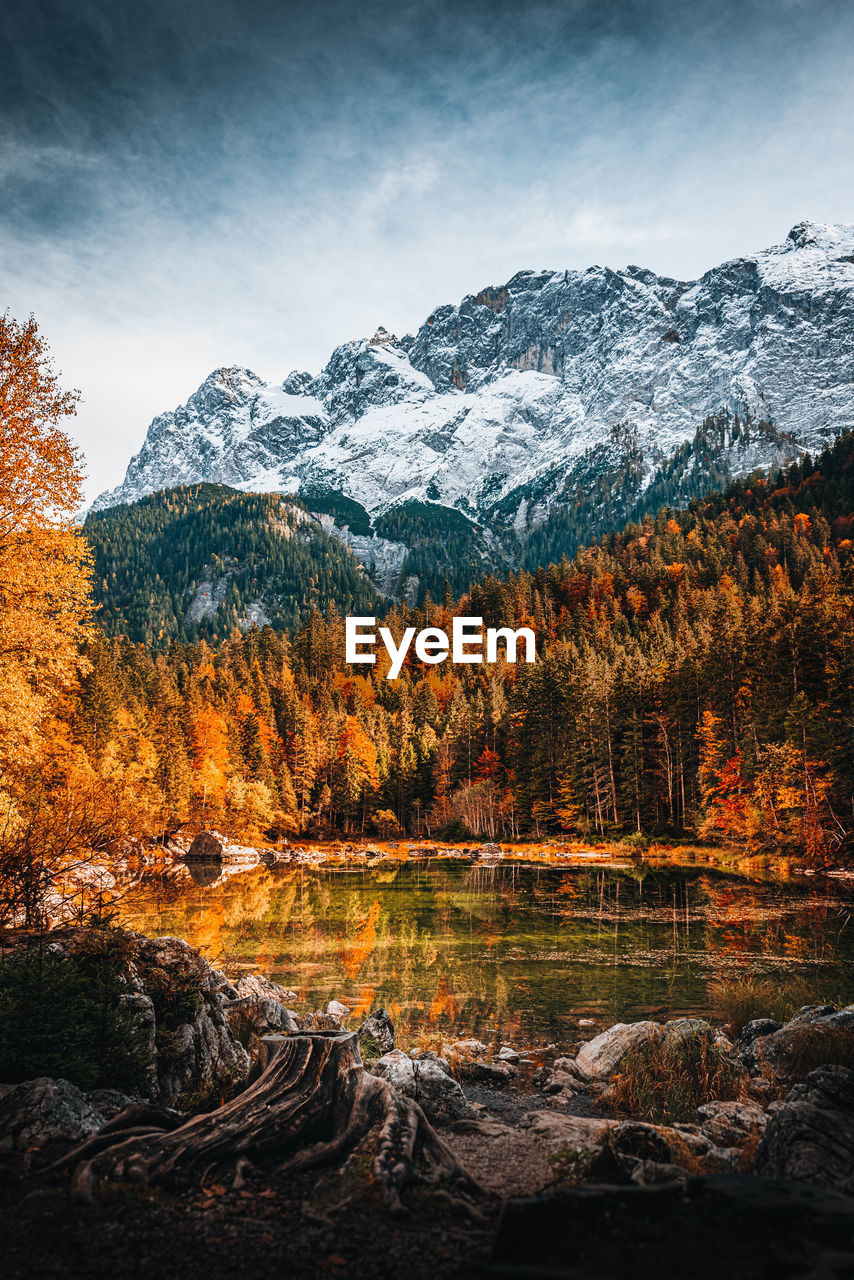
(192, 183)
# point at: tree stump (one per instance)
(309, 1102)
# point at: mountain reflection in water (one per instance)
(522, 949)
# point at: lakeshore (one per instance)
(734, 1131)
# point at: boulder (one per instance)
(565, 1080)
(491, 1073)
(110, 1103)
(254, 985)
(44, 1111)
(197, 1054)
(440, 1097)
(602, 1055)
(376, 1032)
(767, 1049)
(210, 846)
(338, 1010)
(810, 1136)
(680, 1028)
(255, 1006)
(580, 1133)
(423, 1079)
(399, 1070)
(730, 1124)
(470, 1047)
(420, 1054)
(506, 1054)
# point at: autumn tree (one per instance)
(44, 560)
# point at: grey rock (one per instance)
(506, 1054)
(440, 1097)
(422, 1055)
(423, 1079)
(259, 1017)
(810, 1136)
(379, 1029)
(109, 1102)
(399, 1070)
(771, 1053)
(680, 1028)
(40, 1112)
(730, 1124)
(477, 1071)
(255, 986)
(602, 1055)
(200, 1058)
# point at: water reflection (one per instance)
(523, 949)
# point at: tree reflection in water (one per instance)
(526, 949)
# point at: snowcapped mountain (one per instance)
(514, 403)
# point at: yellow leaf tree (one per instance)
(44, 561)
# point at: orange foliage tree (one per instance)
(44, 561)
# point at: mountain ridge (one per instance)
(496, 405)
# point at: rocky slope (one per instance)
(518, 400)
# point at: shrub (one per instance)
(386, 823)
(664, 1081)
(64, 1015)
(454, 829)
(636, 840)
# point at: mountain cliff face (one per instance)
(512, 406)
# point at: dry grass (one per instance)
(428, 1041)
(740, 1000)
(665, 1081)
(821, 1046)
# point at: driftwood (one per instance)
(309, 1103)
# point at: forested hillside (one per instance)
(612, 494)
(694, 672)
(203, 559)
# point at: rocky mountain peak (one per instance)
(504, 404)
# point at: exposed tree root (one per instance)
(309, 1104)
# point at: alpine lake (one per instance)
(520, 949)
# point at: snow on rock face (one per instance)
(517, 382)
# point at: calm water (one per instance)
(523, 949)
